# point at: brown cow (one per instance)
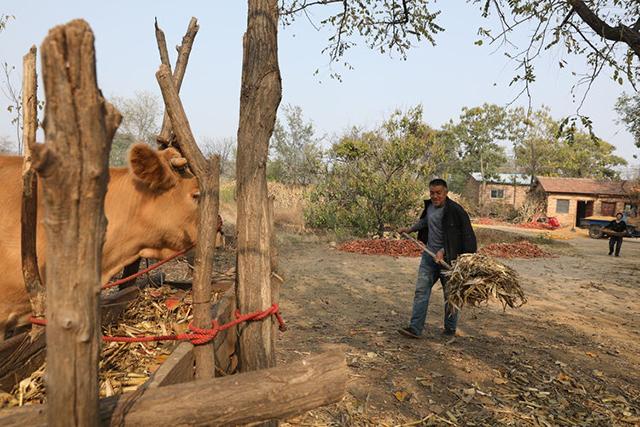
(151, 209)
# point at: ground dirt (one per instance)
(570, 356)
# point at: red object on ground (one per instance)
(553, 221)
(391, 247)
(484, 221)
(522, 249)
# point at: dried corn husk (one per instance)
(476, 278)
(125, 366)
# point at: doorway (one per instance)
(584, 210)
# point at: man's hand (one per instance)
(403, 230)
(440, 256)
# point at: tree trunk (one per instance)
(208, 174)
(73, 166)
(29, 214)
(234, 400)
(260, 96)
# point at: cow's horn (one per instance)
(178, 162)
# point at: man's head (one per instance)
(438, 191)
(619, 216)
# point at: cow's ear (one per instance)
(151, 168)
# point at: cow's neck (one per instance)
(122, 206)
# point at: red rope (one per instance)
(146, 270)
(197, 336)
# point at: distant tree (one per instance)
(140, 122)
(628, 109)
(476, 137)
(376, 177)
(7, 146)
(14, 96)
(536, 142)
(586, 157)
(4, 19)
(226, 149)
(296, 154)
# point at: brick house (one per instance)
(572, 199)
(503, 188)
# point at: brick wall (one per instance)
(514, 196)
(568, 219)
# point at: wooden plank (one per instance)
(20, 356)
(177, 369)
(250, 397)
(225, 342)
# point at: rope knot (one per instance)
(202, 335)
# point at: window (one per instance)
(497, 194)
(562, 206)
(608, 208)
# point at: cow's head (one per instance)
(168, 197)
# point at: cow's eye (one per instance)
(195, 195)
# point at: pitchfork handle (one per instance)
(424, 248)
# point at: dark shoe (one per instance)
(617, 254)
(449, 332)
(610, 253)
(408, 332)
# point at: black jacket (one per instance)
(617, 226)
(459, 237)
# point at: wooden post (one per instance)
(233, 400)
(73, 166)
(260, 96)
(28, 222)
(184, 50)
(208, 173)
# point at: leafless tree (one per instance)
(226, 149)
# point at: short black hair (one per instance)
(438, 181)
(619, 213)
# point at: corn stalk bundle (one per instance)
(475, 278)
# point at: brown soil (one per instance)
(571, 355)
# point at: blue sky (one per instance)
(444, 78)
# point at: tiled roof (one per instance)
(504, 178)
(582, 186)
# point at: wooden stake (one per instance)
(228, 401)
(184, 50)
(28, 222)
(260, 96)
(73, 166)
(208, 173)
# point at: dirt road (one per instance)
(568, 357)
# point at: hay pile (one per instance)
(475, 278)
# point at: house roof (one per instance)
(582, 186)
(504, 178)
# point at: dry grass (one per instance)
(289, 203)
(476, 278)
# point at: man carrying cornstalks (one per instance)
(615, 229)
(444, 227)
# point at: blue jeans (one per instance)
(428, 275)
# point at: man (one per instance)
(617, 228)
(444, 227)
